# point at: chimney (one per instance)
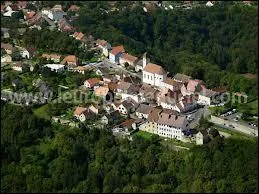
(144, 60)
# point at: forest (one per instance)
(39, 156)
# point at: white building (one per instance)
(172, 126)
(6, 59)
(55, 67)
(55, 14)
(142, 63)
(153, 74)
(206, 96)
(104, 46)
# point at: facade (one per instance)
(206, 96)
(115, 53)
(202, 137)
(143, 111)
(55, 67)
(104, 46)
(126, 58)
(154, 75)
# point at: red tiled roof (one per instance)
(69, 58)
(73, 8)
(117, 49)
(79, 110)
(128, 57)
(153, 68)
(93, 81)
(78, 35)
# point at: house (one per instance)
(104, 46)
(209, 4)
(143, 111)
(53, 57)
(92, 82)
(153, 74)
(127, 59)
(171, 84)
(71, 61)
(73, 8)
(188, 103)
(5, 32)
(148, 94)
(81, 69)
(126, 128)
(21, 4)
(101, 91)
(151, 124)
(127, 90)
(169, 100)
(8, 48)
(10, 9)
(55, 14)
(126, 107)
(195, 85)
(55, 67)
(17, 66)
(94, 108)
(181, 78)
(6, 59)
(172, 126)
(202, 137)
(141, 63)
(78, 35)
(206, 96)
(115, 53)
(107, 78)
(24, 52)
(64, 26)
(112, 86)
(29, 15)
(81, 113)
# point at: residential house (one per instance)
(73, 8)
(53, 57)
(170, 99)
(7, 47)
(181, 78)
(129, 91)
(141, 63)
(151, 124)
(24, 52)
(81, 69)
(171, 84)
(55, 67)
(195, 85)
(127, 59)
(153, 74)
(115, 53)
(188, 103)
(6, 59)
(126, 128)
(209, 4)
(92, 82)
(101, 91)
(21, 4)
(29, 15)
(172, 126)
(202, 137)
(71, 61)
(10, 9)
(94, 108)
(104, 46)
(107, 78)
(5, 32)
(148, 94)
(78, 35)
(126, 107)
(206, 96)
(64, 26)
(143, 111)
(55, 14)
(81, 113)
(18, 66)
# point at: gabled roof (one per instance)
(144, 109)
(93, 81)
(69, 58)
(79, 110)
(123, 85)
(129, 58)
(73, 8)
(154, 114)
(78, 35)
(172, 120)
(154, 68)
(117, 49)
(101, 91)
(193, 83)
(181, 77)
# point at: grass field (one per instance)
(144, 134)
(42, 112)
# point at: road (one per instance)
(197, 115)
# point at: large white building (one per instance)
(153, 74)
(172, 126)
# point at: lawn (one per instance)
(144, 134)
(42, 112)
(252, 107)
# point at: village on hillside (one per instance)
(127, 93)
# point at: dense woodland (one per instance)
(38, 156)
